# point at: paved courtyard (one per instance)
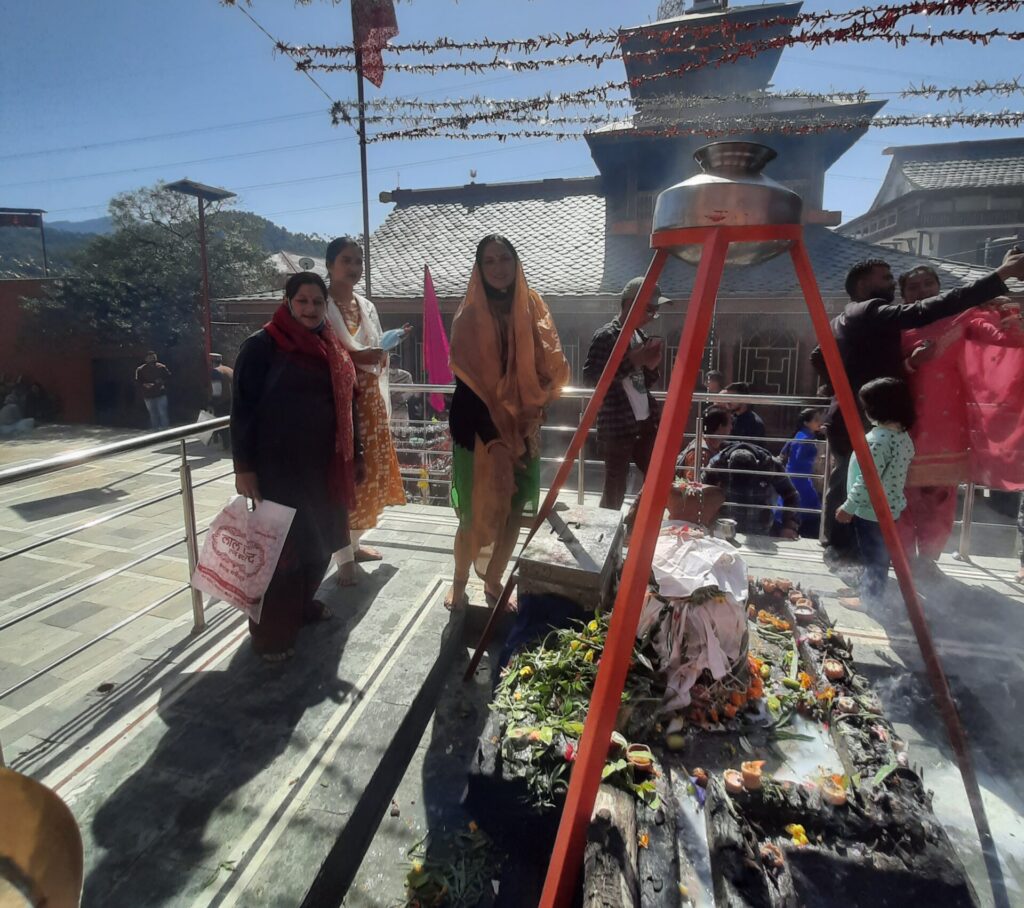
(95, 720)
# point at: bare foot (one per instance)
(1020, 575)
(492, 600)
(347, 574)
(456, 596)
(853, 603)
(368, 553)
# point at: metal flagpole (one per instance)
(362, 171)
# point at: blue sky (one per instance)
(98, 98)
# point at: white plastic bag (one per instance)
(205, 437)
(241, 553)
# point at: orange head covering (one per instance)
(535, 369)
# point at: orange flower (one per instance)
(644, 840)
(806, 681)
(764, 617)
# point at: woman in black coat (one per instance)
(295, 441)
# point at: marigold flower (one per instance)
(798, 834)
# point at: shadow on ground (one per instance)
(203, 783)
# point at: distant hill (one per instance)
(93, 225)
(21, 253)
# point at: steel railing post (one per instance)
(827, 472)
(581, 468)
(964, 548)
(191, 539)
(698, 446)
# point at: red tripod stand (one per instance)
(567, 857)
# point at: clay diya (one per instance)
(733, 780)
(639, 756)
(784, 586)
(804, 614)
(700, 777)
(815, 638)
(834, 669)
(794, 595)
(751, 774)
(846, 706)
(833, 793)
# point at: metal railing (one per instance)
(185, 488)
(697, 435)
(436, 472)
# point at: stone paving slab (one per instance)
(210, 758)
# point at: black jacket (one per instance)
(742, 490)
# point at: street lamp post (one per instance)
(204, 194)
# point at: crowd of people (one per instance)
(310, 427)
(939, 379)
(311, 408)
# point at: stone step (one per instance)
(261, 784)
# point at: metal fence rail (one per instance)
(433, 469)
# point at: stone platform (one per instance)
(202, 776)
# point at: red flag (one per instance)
(435, 342)
(373, 24)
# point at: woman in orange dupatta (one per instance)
(508, 365)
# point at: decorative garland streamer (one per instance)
(749, 50)
(728, 128)
(958, 93)
(401, 107)
(884, 15)
(814, 39)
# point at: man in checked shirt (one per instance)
(627, 423)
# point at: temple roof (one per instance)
(559, 229)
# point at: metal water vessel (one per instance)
(730, 191)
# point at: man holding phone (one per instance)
(627, 423)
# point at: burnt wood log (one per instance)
(658, 863)
(610, 860)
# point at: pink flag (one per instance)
(435, 342)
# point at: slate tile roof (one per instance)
(963, 165)
(558, 228)
(966, 173)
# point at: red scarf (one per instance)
(292, 338)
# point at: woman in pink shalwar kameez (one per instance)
(967, 378)
(932, 361)
(992, 372)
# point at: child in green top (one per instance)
(890, 407)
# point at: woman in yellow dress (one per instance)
(354, 318)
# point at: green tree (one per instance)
(140, 285)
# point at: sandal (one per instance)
(318, 611)
(278, 657)
(368, 553)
